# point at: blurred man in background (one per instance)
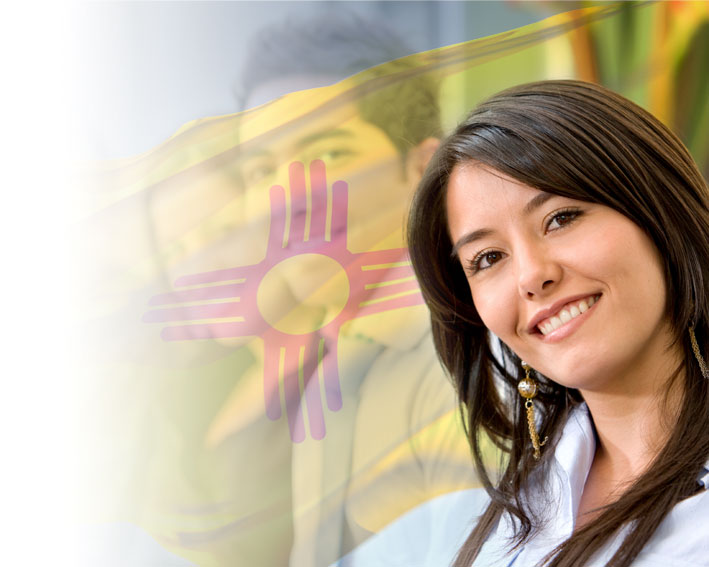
(396, 440)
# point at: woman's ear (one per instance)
(417, 158)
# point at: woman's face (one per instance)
(574, 288)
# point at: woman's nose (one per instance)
(538, 273)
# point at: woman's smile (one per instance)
(563, 320)
(553, 278)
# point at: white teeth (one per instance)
(566, 315)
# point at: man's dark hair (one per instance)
(341, 44)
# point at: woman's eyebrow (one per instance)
(537, 201)
(470, 237)
(534, 203)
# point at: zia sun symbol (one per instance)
(368, 283)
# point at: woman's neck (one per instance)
(632, 427)
(633, 421)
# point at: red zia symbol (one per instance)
(294, 353)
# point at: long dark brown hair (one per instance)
(582, 141)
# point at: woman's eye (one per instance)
(485, 260)
(562, 218)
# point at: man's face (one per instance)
(222, 220)
(353, 151)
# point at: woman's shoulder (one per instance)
(682, 535)
(430, 535)
(680, 540)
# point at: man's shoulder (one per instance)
(428, 535)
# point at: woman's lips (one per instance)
(569, 327)
(567, 313)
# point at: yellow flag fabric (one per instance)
(260, 384)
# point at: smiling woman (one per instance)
(566, 225)
(553, 273)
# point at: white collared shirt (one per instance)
(432, 534)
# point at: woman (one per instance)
(563, 226)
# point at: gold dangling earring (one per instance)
(697, 353)
(527, 388)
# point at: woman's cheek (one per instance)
(489, 308)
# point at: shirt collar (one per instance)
(574, 455)
(703, 478)
(577, 446)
